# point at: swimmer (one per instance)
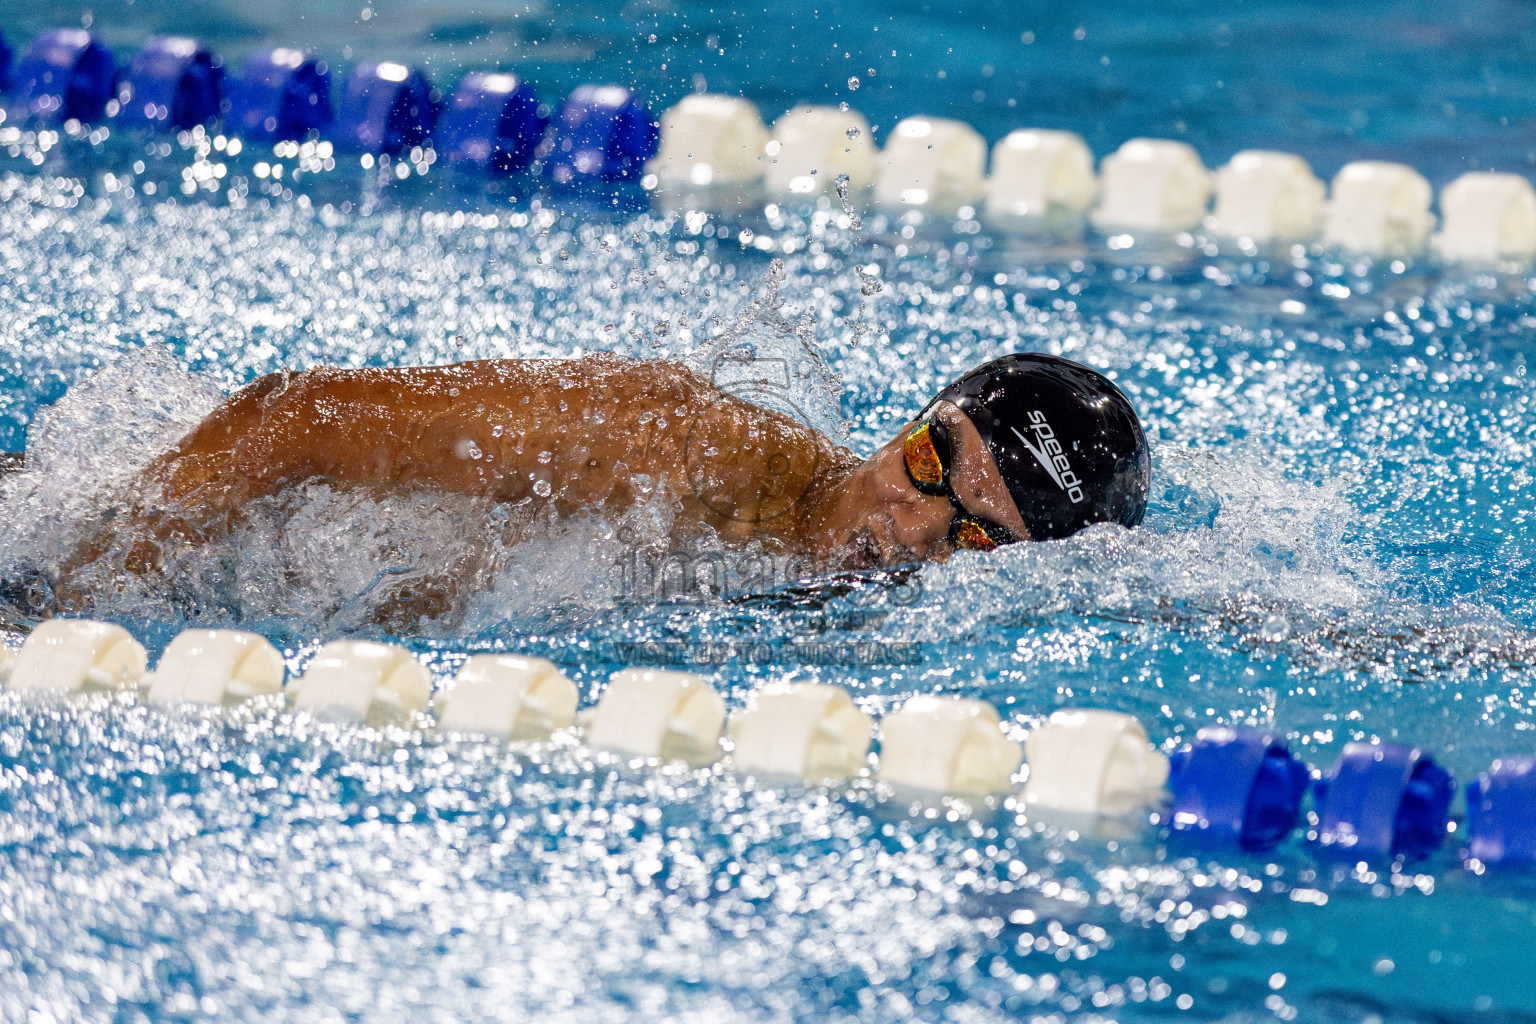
(1026, 447)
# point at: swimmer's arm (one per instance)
(241, 451)
(249, 447)
(372, 429)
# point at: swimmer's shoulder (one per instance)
(622, 375)
(617, 376)
(597, 366)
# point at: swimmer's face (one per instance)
(888, 521)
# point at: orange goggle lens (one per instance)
(923, 463)
(972, 537)
(927, 470)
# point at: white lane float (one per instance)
(931, 162)
(1487, 217)
(1090, 761)
(810, 146)
(1267, 196)
(805, 730)
(362, 681)
(947, 745)
(1038, 173)
(77, 655)
(509, 696)
(215, 666)
(1378, 208)
(652, 713)
(1152, 185)
(707, 140)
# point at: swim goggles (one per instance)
(926, 450)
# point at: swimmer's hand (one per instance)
(28, 598)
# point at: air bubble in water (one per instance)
(853, 81)
(541, 488)
(852, 133)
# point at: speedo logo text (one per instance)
(1050, 456)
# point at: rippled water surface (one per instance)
(1339, 545)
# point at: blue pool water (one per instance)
(1339, 544)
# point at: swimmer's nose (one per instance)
(922, 525)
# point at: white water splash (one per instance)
(764, 359)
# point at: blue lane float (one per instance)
(1236, 786)
(173, 82)
(385, 108)
(6, 56)
(603, 134)
(66, 75)
(1501, 814)
(1383, 800)
(492, 123)
(280, 94)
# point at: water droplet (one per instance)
(544, 458)
(853, 81)
(853, 132)
(541, 488)
(564, 254)
(842, 194)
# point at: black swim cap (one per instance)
(1066, 441)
